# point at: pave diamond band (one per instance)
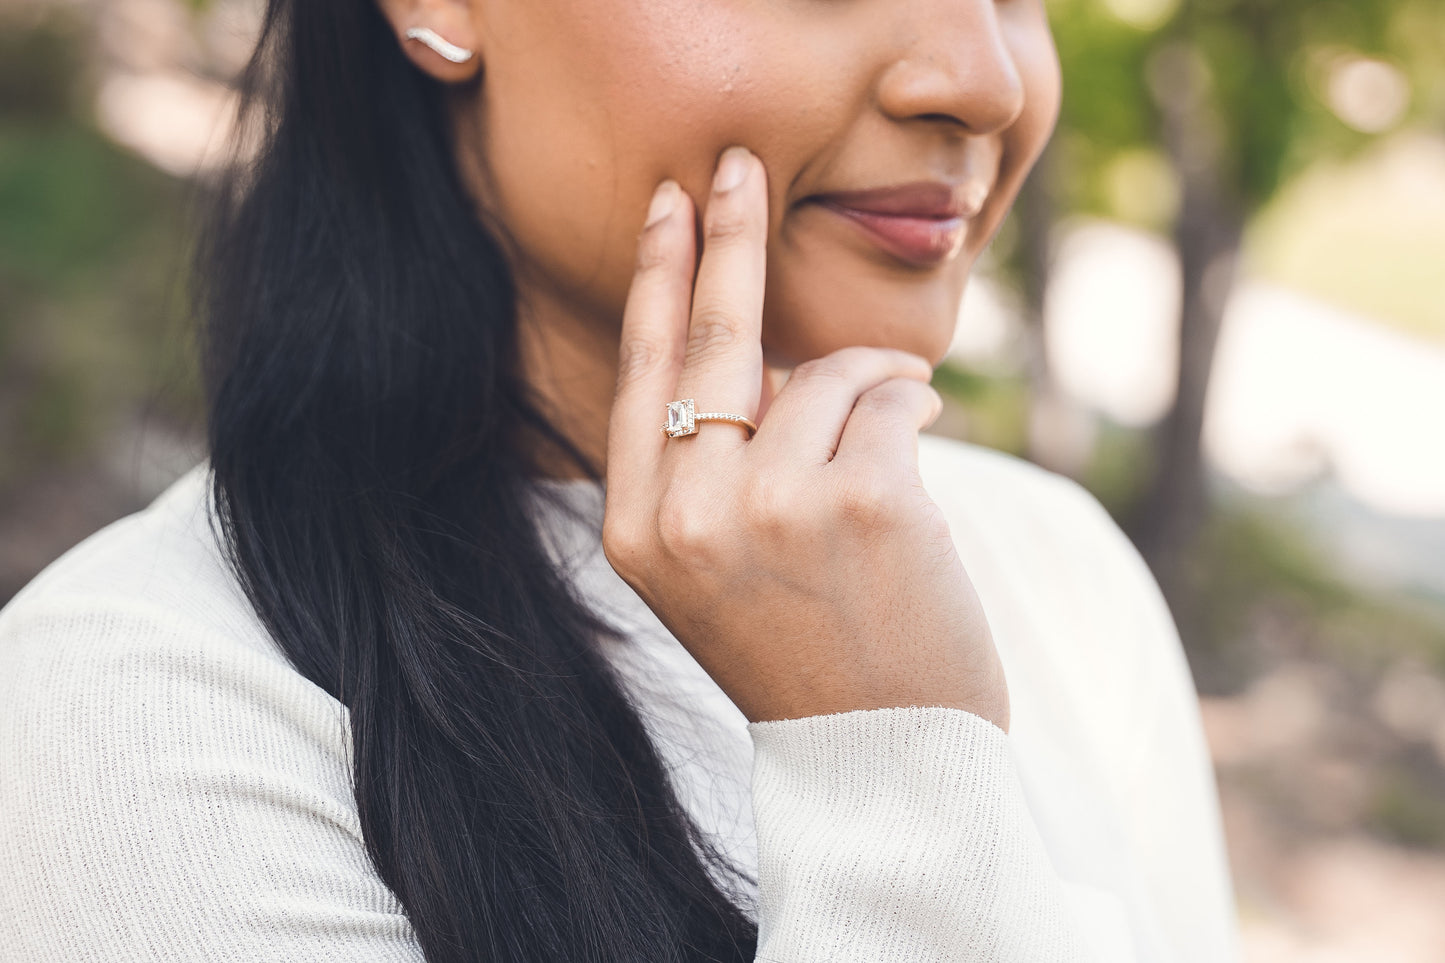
(683, 418)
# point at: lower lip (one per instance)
(922, 241)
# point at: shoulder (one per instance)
(166, 559)
(140, 638)
(983, 488)
(949, 461)
(143, 620)
(1050, 529)
(146, 603)
(1060, 579)
(152, 589)
(162, 764)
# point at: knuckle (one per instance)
(661, 250)
(683, 530)
(726, 224)
(868, 500)
(886, 400)
(637, 358)
(899, 399)
(934, 522)
(857, 355)
(653, 255)
(712, 330)
(831, 367)
(852, 363)
(624, 546)
(772, 507)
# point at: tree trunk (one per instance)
(1167, 518)
(1055, 436)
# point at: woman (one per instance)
(477, 638)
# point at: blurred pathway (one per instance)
(1300, 389)
(1306, 399)
(1311, 887)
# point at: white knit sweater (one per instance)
(172, 789)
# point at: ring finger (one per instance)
(723, 365)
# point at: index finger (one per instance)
(654, 336)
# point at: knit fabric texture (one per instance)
(172, 789)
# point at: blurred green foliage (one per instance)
(1256, 561)
(1406, 809)
(1257, 83)
(1264, 65)
(92, 264)
(996, 405)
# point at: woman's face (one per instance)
(585, 105)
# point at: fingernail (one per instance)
(664, 199)
(732, 169)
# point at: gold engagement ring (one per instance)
(683, 418)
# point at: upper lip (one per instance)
(922, 199)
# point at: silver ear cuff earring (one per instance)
(434, 40)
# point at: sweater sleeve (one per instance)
(160, 782)
(902, 834)
(168, 792)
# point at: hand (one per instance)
(806, 569)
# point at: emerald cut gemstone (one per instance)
(680, 418)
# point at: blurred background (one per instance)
(1220, 305)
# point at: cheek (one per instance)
(586, 106)
(817, 304)
(585, 120)
(1038, 66)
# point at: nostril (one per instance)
(944, 117)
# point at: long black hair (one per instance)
(362, 378)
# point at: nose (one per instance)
(953, 63)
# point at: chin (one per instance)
(785, 346)
(806, 321)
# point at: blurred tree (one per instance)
(1185, 116)
(88, 247)
(91, 273)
